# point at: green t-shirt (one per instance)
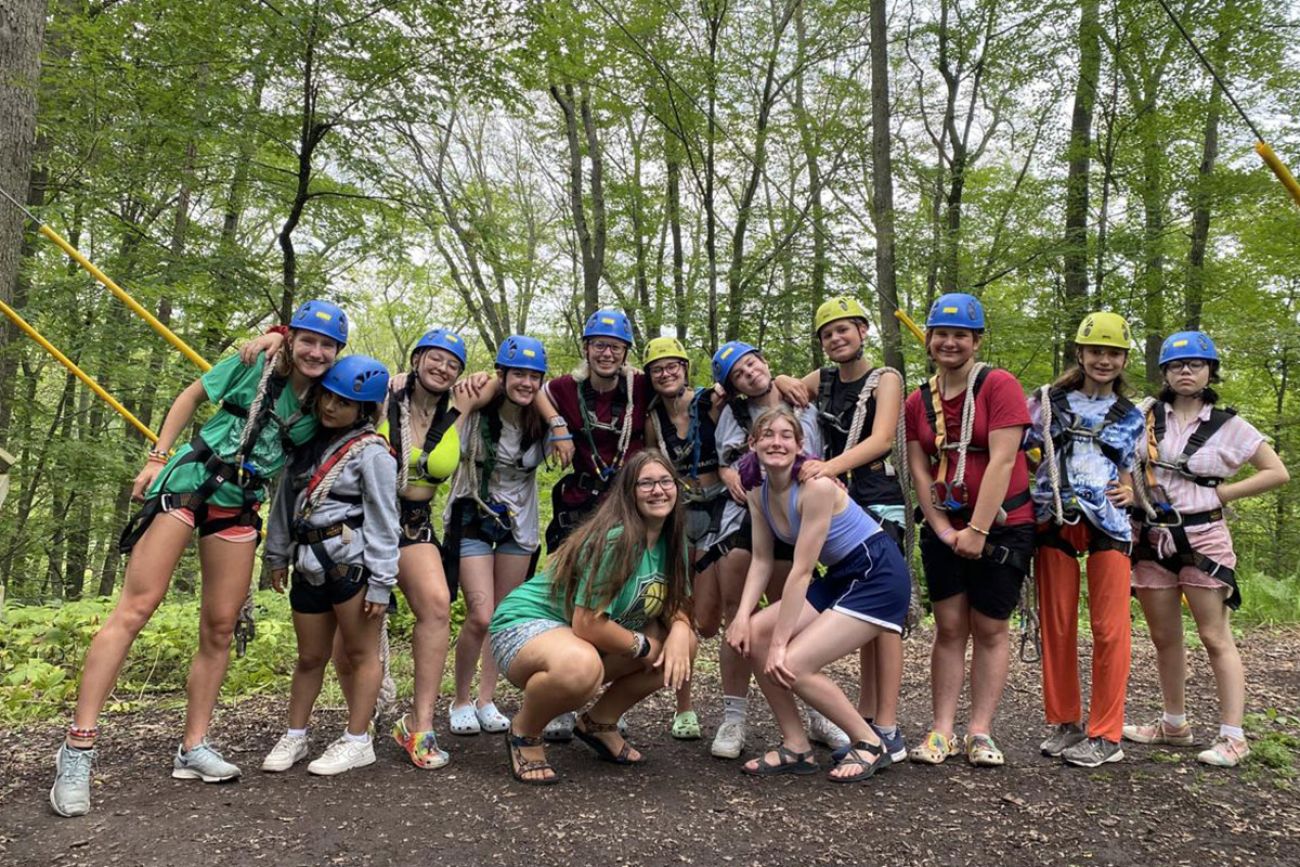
(231, 380)
(640, 601)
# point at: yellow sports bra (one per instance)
(437, 466)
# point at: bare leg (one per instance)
(1229, 676)
(888, 647)
(731, 582)
(558, 672)
(315, 640)
(990, 660)
(509, 571)
(361, 644)
(476, 581)
(227, 570)
(948, 659)
(419, 574)
(148, 572)
(1163, 612)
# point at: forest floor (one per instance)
(1156, 807)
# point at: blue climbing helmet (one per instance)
(956, 310)
(522, 352)
(1188, 344)
(608, 323)
(324, 318)
(442, 338)
(357, 377)
(726, 357)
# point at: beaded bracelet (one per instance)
(81, 734)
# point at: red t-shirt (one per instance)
(999, 404)
(564, 393)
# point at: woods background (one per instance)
(714, 167)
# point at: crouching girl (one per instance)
(335, 518)
(612, 607)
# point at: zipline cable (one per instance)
(107, 282)
(1262, 147)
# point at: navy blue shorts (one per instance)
(308, 598)
(870, 584)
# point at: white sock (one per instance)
(734, 708)
(1174, 721)
(296, 733)
(363, 738)
(1234, 732)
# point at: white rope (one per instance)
(248, 436)
(1049, 454)
(625, 435)
(404, 438)
(967, 423)
(1141, 494)
(387, 688)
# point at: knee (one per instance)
(1218, 641)
(477, 620)
(434, 608)
(951, 631)
(988, 632)
(1167, 638)
(310, 661)
(133, 613)
(217, 632)
(580, 669)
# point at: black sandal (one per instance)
(790, 762)
(586, 731)
(520, 766)
(880, 760)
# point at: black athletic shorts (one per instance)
(993, 589)
(744, 540)
(308, 598)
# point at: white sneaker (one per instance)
(490, 719)
(463, 720)
(729, 740)
(287, 752)
(823, 731)
(343, 755)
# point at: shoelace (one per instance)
(77, 765)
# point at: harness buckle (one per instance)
(949, 496)
(167, 502)
(1166, 514)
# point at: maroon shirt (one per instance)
(564, 394)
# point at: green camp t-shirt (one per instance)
(640, 601)
(232, 381)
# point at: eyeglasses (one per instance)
(668, 368)
(438, 362)
(645, 486)
(1194, 365)
(600, 347)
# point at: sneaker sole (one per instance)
(191, 774)
(278, 767)
(334, 773)
(1160, 740)
(1117, 756)
(65, 814)
(726, 753)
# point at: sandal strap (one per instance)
(855, 753)
(590, 726)
(527, 766)
(795, 758)
(525, 741)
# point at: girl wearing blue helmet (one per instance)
(492, 517)
(216, 483)
(335, 520)
(1185, 549)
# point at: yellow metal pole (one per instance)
(126, 299)
(911, 326)
(108, 284)
(1279, 169)
(77, 371)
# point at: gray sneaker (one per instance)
(729, 740)
(202, 763)
(1065, 736)
(560, 729)
(1093, 752)
(70, 795)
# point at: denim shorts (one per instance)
(475, 547)
(507, 643)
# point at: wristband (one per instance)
(282, 330)
(946, 533)
(555, 439)
(556, 421)
(160, 456)
(979, 530)
(642, 645)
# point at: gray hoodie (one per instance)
(370, 472)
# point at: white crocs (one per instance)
(490, 719)
(464, 721)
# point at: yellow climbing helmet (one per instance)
(1104, 329)
(839, 307)
(664, 347)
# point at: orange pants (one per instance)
(1057, 574)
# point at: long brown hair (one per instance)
(590, 545)
(1074, 377)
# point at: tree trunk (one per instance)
(674, 206)
(715, 14)
(576, 107)
(22, 27)
(1079, 154)
(882, 184)
(1201, 208)
(811, 149)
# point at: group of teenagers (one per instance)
(683, 510)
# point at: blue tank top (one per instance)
(849, 528)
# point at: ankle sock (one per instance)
(1174, 721)
(886, 731)
(734, 708)
(363, 738)
(296, 733)
(1234, 732)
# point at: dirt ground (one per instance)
(683, 807)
